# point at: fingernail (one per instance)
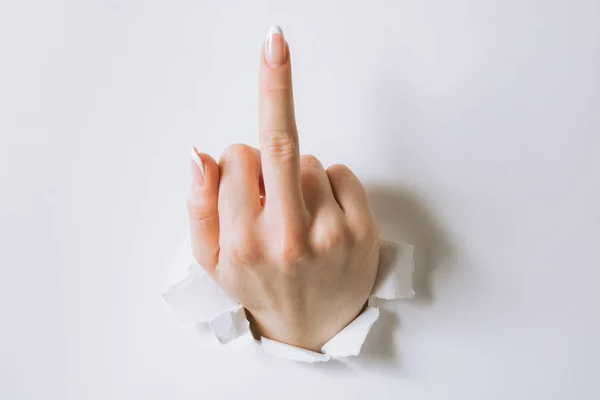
(275, 47)
(200, 177)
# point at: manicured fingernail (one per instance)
(275, 47)
(200, 177)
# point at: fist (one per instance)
(296, 244)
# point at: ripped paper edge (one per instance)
(199, 299)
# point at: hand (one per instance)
(295, 244)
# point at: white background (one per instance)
(475, 125)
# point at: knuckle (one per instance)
(247, 255)
(243, 250)
(199, 212)
(340, 170)
(367, 233)
(310, 161)
(283, 85)
(329, 235)
(280, 144)
(289, 257)
(333, 239)
(293, 248)
(235, 152)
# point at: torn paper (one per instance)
(394, 273)
(199, 299)
(350, 339)
(230, 325)
(290, 352)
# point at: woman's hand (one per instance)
(295, 244)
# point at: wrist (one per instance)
(307, 334)
(282, 330)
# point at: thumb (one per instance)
(202, 209)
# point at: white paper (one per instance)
(230, 325)
(290, 352)
(199, 299)
(350, 340)
(394, 275)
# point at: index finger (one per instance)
(277, 125)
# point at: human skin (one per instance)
(296, 244)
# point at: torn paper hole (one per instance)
(290, 352)
(394, 273)
(199, 299)
(350, 339)
(230, 325)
